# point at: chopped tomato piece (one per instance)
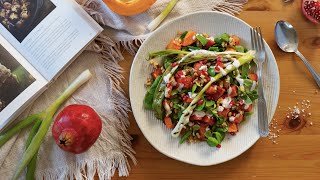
(208, 120)
(220, 64)
(195, 118)
(187, 81)
(224, 113)
(238, 119)
(253, 76)
(212, 89)
(168, 122)
(202, 130)
(197, 66)
(189, 38)
(248, 109)
(157, 72)
(233, 127)
(209, 44)
(219, 93)
(234, 91)
(235, 40)
(174, 45)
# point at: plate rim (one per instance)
(131, 85)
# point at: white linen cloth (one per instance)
(102, 92)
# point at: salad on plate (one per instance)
(202, 87)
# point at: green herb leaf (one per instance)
(183, 35)
(194, 88)
(210, 103)
(239, 48)
(218, 136)
(245, 70)
(202, 39)
(213, 142)
(214, 49)
(193, 48)
(208, 134)
(201, 106)
(185, 136)
(148, 98)
(196, 127)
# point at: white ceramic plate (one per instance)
(212, 23)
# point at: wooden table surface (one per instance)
(297, 154)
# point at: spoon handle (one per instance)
(309, 66)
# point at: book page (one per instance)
(50, 34)
(19, 82)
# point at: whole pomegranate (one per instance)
(76, 128)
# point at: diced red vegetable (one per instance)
(174, 45)
(195, 118)
(235, 40)
(230, 49)
(202, 130)
(209, 44)
(168, 122)
(253, 76)
(224, 113)
(233, 127)
(187, 81)
(234, 91)
(238, 119)
(208, 120)
(189, 39)
(157, 72)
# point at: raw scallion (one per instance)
(155, 23)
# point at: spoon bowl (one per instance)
(286, 36)
(287, 40)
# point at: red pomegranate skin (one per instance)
(311, 10)
(76, 128)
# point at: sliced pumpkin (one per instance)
(129, 7)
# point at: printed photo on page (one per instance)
(14, 78)
(20, 17)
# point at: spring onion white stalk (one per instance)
(155, 23)
(184, 119)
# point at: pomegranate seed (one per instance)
(219, 58)
(231, 103)
(200, 102)
(218, 146)
(168, 85)
(205, 73)
(241, 101)
(217, 68)
(174, 64)
(185, 97)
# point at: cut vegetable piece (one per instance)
(202, 39)
(168, 122)
(232, 127)
(174, 45)
(189, 38)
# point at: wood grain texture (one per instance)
(297, 154)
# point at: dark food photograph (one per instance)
(14, 79)
(20, 17)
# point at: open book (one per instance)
(38, 40)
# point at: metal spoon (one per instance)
(287, 40)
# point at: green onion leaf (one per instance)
(185, 137)
(213, 142)
(183, 35)
(208, 134)
(202, 39)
